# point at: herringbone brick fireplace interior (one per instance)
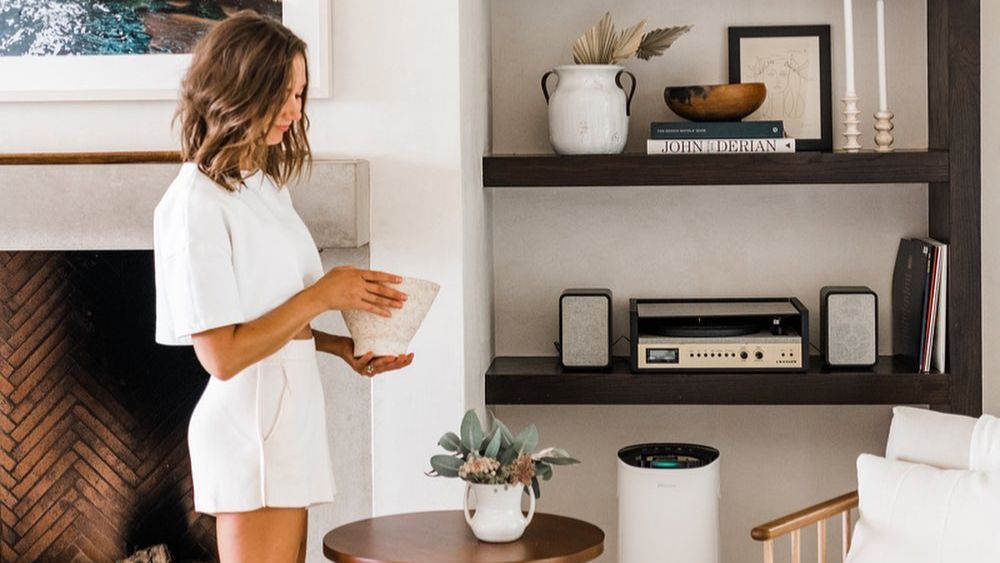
(93, 413)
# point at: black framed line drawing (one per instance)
(794, 63)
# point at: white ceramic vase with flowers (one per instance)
(499, 469)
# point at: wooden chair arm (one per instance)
(805, 517)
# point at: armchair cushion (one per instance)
(931, 438)
(984, 453)
(913, 513)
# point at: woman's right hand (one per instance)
(347, 287)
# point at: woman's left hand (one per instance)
(370, 365)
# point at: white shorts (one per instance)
(259, 439)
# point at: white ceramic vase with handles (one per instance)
(498, 516)
(588, 110)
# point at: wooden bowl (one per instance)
(716, 102)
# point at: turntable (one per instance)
(748, 334)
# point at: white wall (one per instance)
(991, 205)
(395, 101)
(477, 229)
(688, 241)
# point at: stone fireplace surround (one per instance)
(93, 413)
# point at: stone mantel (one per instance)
(105, 201)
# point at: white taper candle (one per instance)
(883, 104)
(849, 45)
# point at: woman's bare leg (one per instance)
(266, 535)
(305, 537)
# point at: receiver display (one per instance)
(662, 356)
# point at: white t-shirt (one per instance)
(225, 257)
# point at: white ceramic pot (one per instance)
(498, 516)
(588, 111)
(391, 336)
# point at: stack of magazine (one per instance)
(718, 137)
(919, 303)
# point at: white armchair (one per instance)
(935, 497)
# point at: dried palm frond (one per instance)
(628, 41)
(597, 45)
(600, 45)
(608, 35)
(657, 41)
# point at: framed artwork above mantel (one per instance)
(128, 50)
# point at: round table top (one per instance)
(445, 537)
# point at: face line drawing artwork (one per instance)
(793, 63)
(785, 76)
(789, 68)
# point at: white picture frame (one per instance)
(154, 76)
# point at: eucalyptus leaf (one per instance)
(507, 455)
(493, 448)
(450, 442)
(507, 437)
(543, 470)
(486, 440)
(526, 441)
(446, 465)
(534, 486)
(472, 431)
(560, 460)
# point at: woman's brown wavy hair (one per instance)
(231, 96)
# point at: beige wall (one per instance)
(686, 241)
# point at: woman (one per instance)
(238, 277)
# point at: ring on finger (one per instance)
(369, 370)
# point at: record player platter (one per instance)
(702, 330)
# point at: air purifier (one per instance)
(668, 503)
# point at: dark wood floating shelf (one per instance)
(539, 380)
(904, 166)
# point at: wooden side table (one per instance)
(445, 537)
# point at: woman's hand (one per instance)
(348, 287)
(370, 365)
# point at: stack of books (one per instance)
(919, 303)
(718, 137)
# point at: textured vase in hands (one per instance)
(391, 336)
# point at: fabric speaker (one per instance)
(849, 326)
(585, 328)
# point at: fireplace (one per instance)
(93, 413)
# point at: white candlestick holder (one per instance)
(851, 132)
(883, 126)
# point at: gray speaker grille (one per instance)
(851, 329)
(585, 330)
